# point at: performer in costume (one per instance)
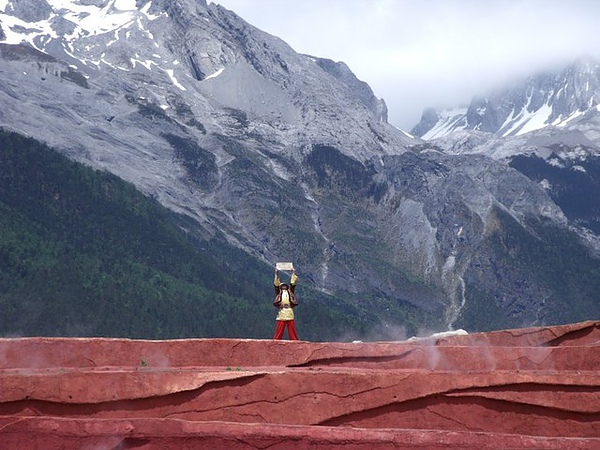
(285, 301)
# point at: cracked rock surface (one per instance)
(519, 389)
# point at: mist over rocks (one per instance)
(520, 388)
(554, 98)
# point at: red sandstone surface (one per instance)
(534, 388)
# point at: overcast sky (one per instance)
(420, 53)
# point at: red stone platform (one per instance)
(534, 388)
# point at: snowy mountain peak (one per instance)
(48, 25)
(547, 99)
(66, 18)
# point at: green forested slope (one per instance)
(83, 253)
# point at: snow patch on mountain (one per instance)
(174, 79)
(447, 121)
(216, 74)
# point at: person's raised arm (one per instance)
(293, 280)
(276, 282)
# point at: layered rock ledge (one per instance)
(534, 388)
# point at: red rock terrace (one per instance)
(534, 388)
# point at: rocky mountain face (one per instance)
(290, 157)
(562, 147)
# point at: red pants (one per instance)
(291, 326)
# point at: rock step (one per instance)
(536, 388)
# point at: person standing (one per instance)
(285, 301)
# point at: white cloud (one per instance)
(420, 53)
